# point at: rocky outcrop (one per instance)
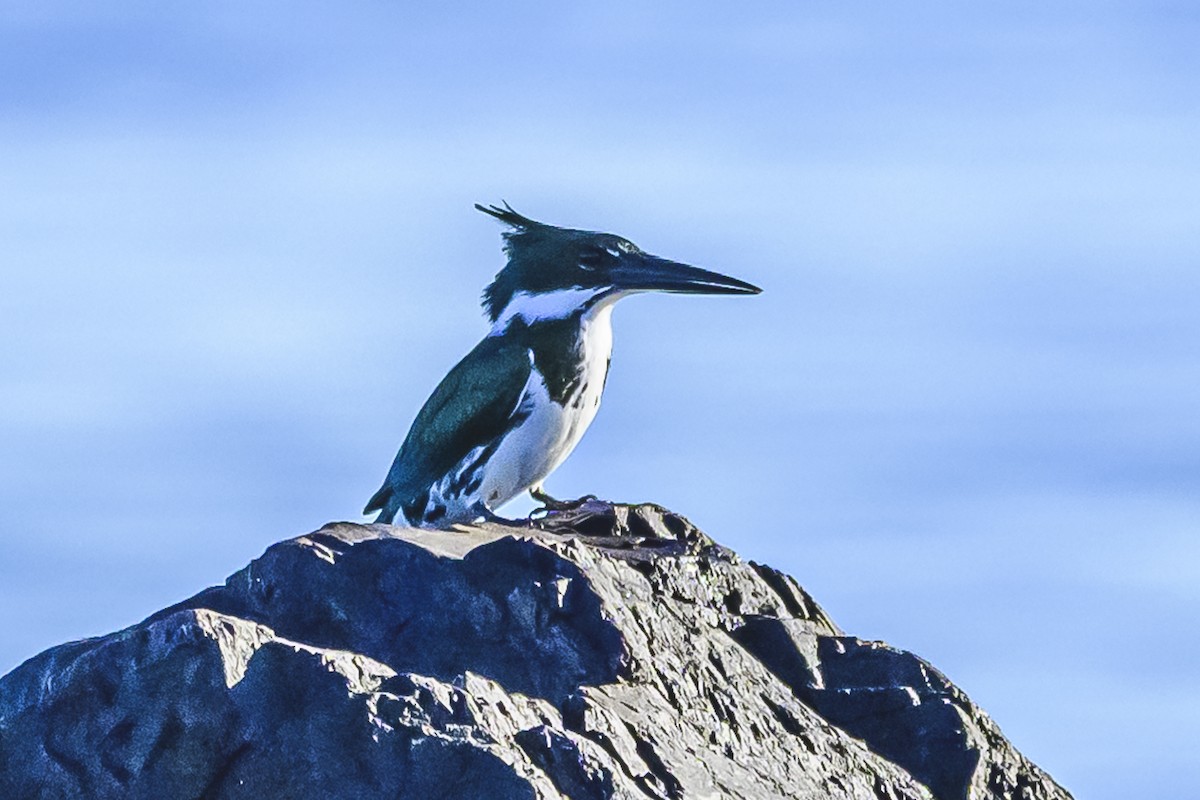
(607, 652)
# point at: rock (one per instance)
(608, 652)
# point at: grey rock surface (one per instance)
(610, 652)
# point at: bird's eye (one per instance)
(589, 260)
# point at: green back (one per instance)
(471, 407)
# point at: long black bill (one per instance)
(644, 272)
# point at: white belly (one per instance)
(548, 434)
(539, 445)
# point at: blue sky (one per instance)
(239, 251)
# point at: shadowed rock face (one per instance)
(612, 652)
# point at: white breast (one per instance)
(535, 448)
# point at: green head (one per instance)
(554, 271)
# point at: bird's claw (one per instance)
(549, 504)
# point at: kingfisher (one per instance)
(514, 408)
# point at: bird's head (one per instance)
(555, 272)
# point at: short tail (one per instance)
(381, 501)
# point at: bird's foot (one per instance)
(549, 504)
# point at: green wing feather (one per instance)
(472, 406)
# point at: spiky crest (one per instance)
(541, 258)
(508, 216)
